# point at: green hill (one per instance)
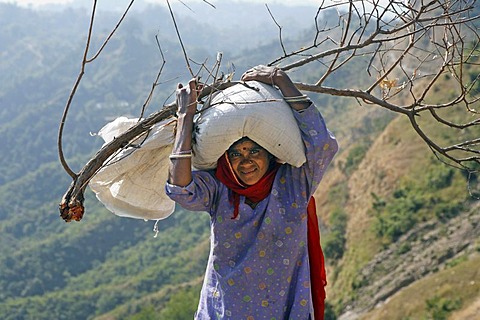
(394, 220)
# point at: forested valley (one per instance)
(400, 230)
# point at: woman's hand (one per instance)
(266, 74)
(187, 98)
(279, 78)
(180, 172)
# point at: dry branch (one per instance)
(412, 47)
(71, 207)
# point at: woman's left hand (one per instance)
(276, 77)
(262, 73)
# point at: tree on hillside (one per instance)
(409, 50)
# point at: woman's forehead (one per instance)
(244, 143)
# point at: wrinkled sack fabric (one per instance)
(256, 110)
(130, 184)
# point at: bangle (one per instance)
(180, 156)
(302, 98)
(273, 74)
(183, 154)
(189, 151)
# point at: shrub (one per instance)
(334, 241)
(440, 177)
(146, 313)
(404, 248)
(394, 218)
(182, 305)
(439, 308)
(355, 156)
(446, 211)
(329, 312)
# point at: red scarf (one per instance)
(318, 275)
(255, 193)
(260, 191)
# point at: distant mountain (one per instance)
(394, 220)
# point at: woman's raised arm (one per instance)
(180, 172)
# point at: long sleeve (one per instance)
(198, 195)
(320, 145)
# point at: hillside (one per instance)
(430, 230)
(394, 220)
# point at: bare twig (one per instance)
(155, 83)
(72, 94)
(187, 60)
(279, 29)
(85, 61)
(71, 206)
(111, 33)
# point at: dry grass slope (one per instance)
(396, 157)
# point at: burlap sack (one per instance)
(255, 110)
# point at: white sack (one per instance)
(239, 111)
(132, 183)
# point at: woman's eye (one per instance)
(234, 154)
(254, 151)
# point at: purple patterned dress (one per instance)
(258, 264)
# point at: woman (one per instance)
(262, 263)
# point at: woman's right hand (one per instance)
(186, 98)
(180, 172)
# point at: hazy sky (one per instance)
(43, 2)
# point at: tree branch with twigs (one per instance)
(417, 41)
(410, 50)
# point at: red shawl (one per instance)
(260, 191)
(318, 275)
(254, 193)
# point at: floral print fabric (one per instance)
(258, 265)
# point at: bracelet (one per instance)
(302, 98)
(183, 154)
(273, 74)
(180, 156)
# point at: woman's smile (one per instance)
(248, 172)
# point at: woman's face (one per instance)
(249, 161)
